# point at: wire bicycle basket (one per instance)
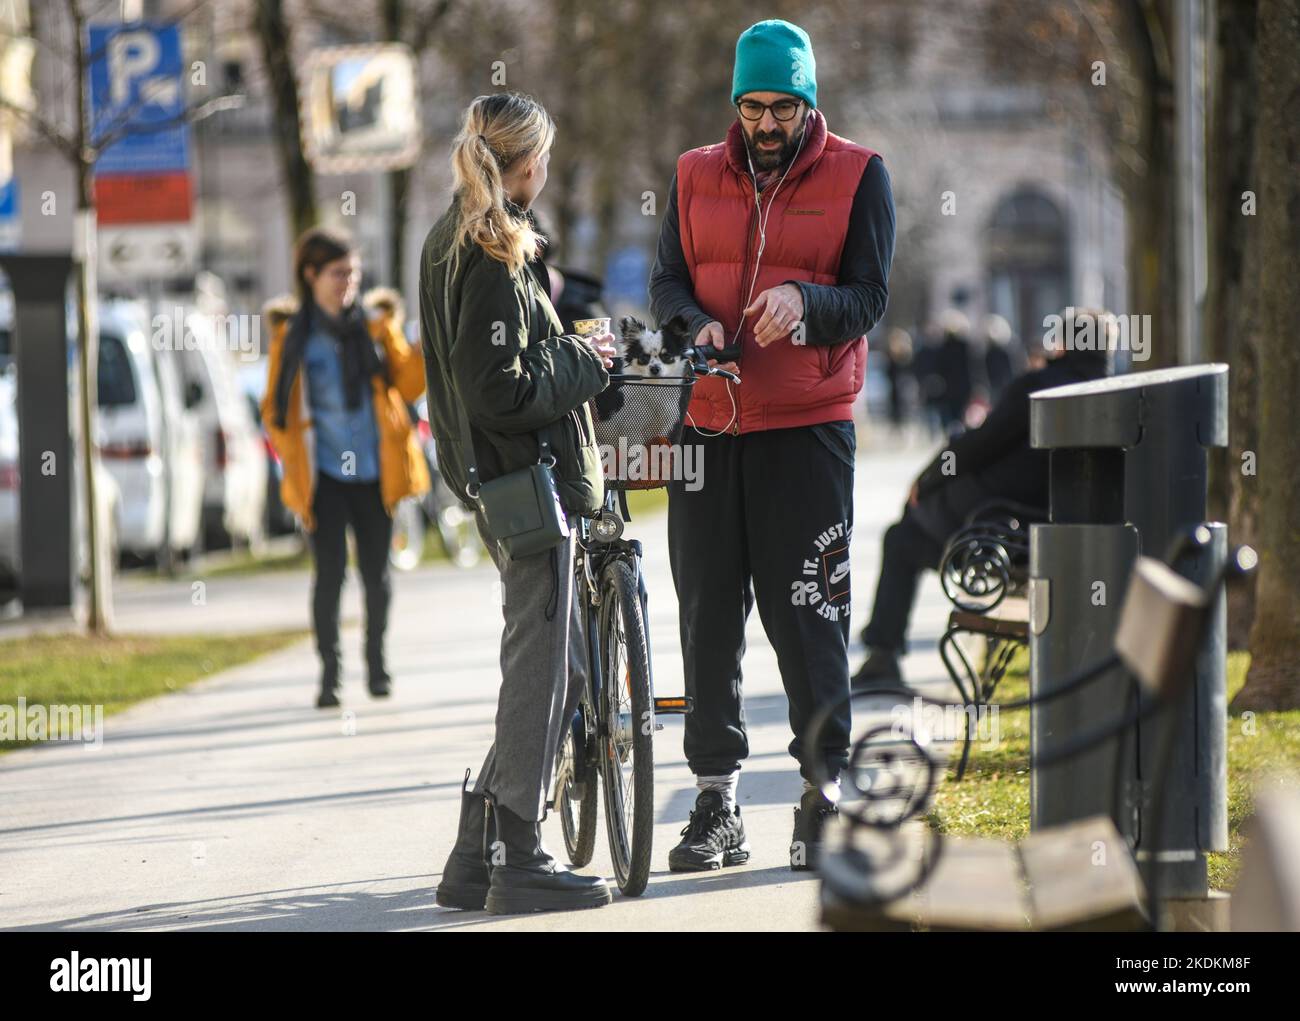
(639, 423)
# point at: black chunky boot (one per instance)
(464, 882)
(328, 697)
(378, 680)
(526, 878)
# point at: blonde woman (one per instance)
(494, 349)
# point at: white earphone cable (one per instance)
(758, 258)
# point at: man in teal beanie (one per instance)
(774, 251)
(775, 56)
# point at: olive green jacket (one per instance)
(507, 361)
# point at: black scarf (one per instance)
(356, 348)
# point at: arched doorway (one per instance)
(1027, 256)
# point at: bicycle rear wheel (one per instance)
(627, 733)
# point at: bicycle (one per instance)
(610, 743)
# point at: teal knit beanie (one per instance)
(775, 56)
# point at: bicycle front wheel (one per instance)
(577, 811)
(627, 733)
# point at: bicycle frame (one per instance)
(589, 561)
(610, 740)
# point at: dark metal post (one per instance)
(1129, 474)
(45, 466)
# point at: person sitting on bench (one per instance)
(994, 461)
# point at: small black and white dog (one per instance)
(655, 355)
(650, 353)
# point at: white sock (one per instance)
(724, 785)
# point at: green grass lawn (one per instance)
(116, 672)
(993, 799)
(244, 562)
(642, 502)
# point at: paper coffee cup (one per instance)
(592, 327)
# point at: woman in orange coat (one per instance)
(335, 409)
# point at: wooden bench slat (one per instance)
(975, 886)
(1009, 619)
(1082, 876)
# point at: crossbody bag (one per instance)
(522, 508)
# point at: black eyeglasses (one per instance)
(782, 109)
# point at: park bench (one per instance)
(984, 572)
(883, 868)
(1079, 876)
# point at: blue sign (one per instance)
(10, 218)
(137, 92)
(626, 275)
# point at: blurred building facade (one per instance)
(1005, 197)
(1003, 191)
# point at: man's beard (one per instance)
(764, 160)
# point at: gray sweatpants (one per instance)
(543, 670)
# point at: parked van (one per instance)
(9, 545)
(234, 455)
(147, 439)
(107, 495)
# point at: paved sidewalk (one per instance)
(235, 805)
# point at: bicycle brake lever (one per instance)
(700, 361)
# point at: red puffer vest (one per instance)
(783, 384)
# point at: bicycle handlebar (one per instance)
(699, 362)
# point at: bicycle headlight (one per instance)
(607, 527)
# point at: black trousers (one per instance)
(907, 551)
(336, 505)
(770, 525)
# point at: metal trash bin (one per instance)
(1129, 469)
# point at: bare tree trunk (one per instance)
(399, 181)
(299, 182)
(100, 600)
(572, 27)
(1274, 678)
(1151, 192)
(1231, 302)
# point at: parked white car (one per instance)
(147, 440)
(106, 492)
(234, 455)
(10, 559)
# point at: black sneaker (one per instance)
(713, 838)
(809, 820)
(880, 670)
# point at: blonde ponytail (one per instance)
(497, 132)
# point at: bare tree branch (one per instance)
(94, 55)
(48, 130)
(425, 27)
(190, 115)
(344, 26)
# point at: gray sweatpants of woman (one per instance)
(543, 670)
